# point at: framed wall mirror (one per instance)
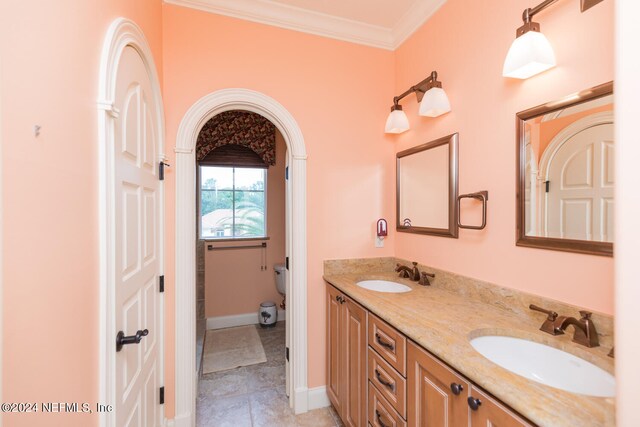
(427, 188)
(565, 173)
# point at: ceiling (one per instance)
(379, 23)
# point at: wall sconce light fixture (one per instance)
(433, 103)
(531, 53)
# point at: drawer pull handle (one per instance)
(379, 418)
(387, 384)
(456, 388)
(384, 343)
(474, 403)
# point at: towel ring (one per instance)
(483, 196)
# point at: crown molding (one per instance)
(413, 19)
(297, 19)
(320, 24)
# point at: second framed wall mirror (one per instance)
(565, 176)
(427, 188)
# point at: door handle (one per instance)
(122, 340)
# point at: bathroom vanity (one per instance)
(406, 359)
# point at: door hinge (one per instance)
(286, 353)
(286, 172)
(161, 280)
(546, 186)
(161, 166)
(162, 395)
(286, 263)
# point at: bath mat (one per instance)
(231, 348)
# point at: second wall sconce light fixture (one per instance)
(433, 103)
(531, 53)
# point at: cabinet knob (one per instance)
(474, 403)
(456, 388)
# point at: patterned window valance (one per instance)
(240, 128)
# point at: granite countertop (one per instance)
(443, 322)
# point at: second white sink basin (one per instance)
(546, 365)
(383, 286)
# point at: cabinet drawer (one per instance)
(381, 413)
(389, 343)
(389, 382)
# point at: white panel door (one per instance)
(137, 234)
(580, 196)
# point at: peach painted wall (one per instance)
(51, 55)
(338, 92)
(234, 282)
(467, 46)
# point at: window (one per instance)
(232, 202)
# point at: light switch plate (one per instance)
(379, 242)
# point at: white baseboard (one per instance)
(221, 322)
(318, 398)
(300, 400)
(184, 420)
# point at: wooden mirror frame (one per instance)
(552, 243)
(452, 230)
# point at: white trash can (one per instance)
(268, 314)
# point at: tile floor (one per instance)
(254, 396)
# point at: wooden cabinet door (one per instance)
(431, 396)
(490, 413)
(334, 348)
(355, 364)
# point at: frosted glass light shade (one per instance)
(530, 54)
(435, 103)
(397, 122)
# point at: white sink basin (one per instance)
(546, 365)
(383, 286)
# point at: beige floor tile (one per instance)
(270, 408)
(265, 377)
(316, 418)
(223, 384)
(335, 416)
(225, 398)
(227, 412)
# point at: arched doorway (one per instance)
(193, 121)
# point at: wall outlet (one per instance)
(379, 242)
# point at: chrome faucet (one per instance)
(584, 329)
(408, 272)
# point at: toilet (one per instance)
(281, 278)
(281, 282)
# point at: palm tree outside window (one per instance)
(232, 202)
